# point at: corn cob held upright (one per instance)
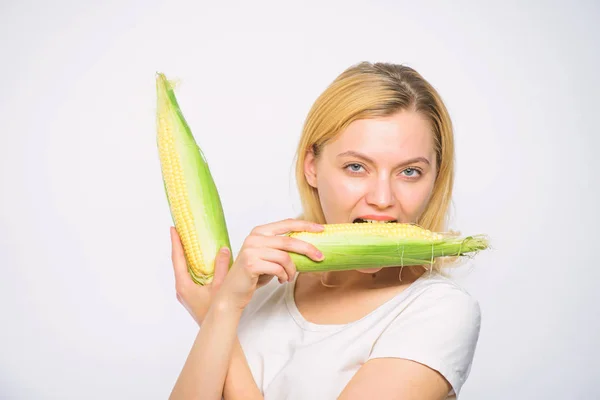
(192, 195)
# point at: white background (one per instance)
(87, 301)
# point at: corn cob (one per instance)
(372, 245)
(192, 195)
(198, 215)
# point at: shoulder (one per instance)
(437, 306)
(441, 295)
(443, 311)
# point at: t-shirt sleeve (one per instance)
(440, 329)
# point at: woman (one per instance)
(377, 145)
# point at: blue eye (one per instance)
(354, 168)
(411, 171)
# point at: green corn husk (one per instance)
(192, 195)
(374, 245)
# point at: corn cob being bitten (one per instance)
(198, 215)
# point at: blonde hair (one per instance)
(368, 90)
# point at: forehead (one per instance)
(404, 134)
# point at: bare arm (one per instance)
(396, 378)
(206, 368)
(196, 299)
(216, 348)
(240, 383)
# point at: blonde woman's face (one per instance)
(381, 168)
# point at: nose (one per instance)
(381, 194)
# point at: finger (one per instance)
(280, 257)
(178, 258)
(221, 267)
(263, 267)
(287, 225)
(292, 244)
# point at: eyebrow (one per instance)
(367, 159)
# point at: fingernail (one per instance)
(319, 255)
(319, 226)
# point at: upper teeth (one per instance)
(373, 220)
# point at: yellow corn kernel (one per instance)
(389, 229)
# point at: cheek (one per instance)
(414, 198)
(348, 187)
(339, 195)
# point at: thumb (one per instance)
(221, 267)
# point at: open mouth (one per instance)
(371, 221)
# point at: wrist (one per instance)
(223, 305)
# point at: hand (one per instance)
(263, 255)
(195, 298)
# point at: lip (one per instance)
(377, 217)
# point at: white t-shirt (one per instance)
(434, 322)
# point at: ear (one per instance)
(310, 168)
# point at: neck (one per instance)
(389, 276)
